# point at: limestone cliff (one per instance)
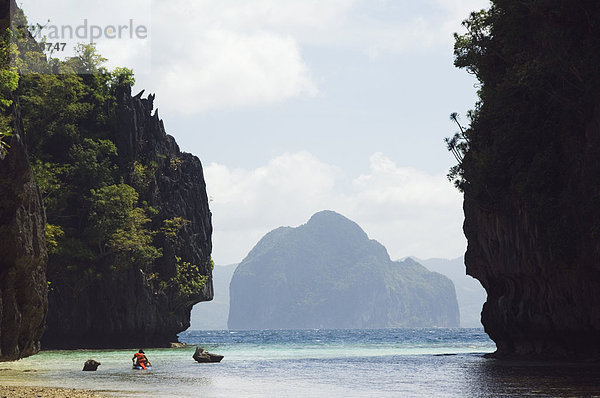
(132, 306)
(540, 302)
(327, 273)
(23, 287)
(23, 257)
(530, 175)
(125, 240)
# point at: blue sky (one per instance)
(298, 106)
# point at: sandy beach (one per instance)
(45, 392)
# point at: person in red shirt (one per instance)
(139, 359)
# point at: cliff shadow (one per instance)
(494, 378)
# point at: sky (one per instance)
(297, 106)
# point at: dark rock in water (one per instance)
(203, 356)
(23, 258)
(129, 308)
(327, 273)
(91, 365)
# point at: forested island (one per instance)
(328, 274)
(99, 208)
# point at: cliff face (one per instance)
(541, 303)
(532, 214)
(328, 274)
(23, 286)
(135, 306)
(177, 189)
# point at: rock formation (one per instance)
(538, 306)
(532, 215)
(128, 308)
(128, 225)
(23, 286)
(91, 365)
(328, 274)
(203, 356)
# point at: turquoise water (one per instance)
(312, 363)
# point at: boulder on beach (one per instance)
(203, 356)
(91, 365)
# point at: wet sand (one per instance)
(45, 392)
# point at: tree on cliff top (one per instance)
(86, 60)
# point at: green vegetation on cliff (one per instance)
(98, 220)
(127, 213)
(536, 62)
(9, 81)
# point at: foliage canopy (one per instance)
(99, 222)
(536, 62)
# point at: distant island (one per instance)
(469, 292)
(327, 273)
(212, 315)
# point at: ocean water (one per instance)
(313, 363)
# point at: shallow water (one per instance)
(315, 363)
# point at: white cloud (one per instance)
(225, 69)
(212, 54)
(409, 211)
(275, 193)
(239, 53)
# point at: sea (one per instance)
(312, 363)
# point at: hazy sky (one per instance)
(296, 106)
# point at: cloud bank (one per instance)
(211, 55)
(409, 211)
(236, 54)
